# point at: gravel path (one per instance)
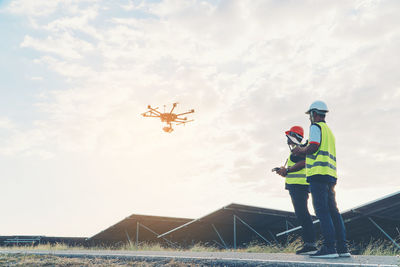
(218, 258)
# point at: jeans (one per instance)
(324, 202)
(299, 196)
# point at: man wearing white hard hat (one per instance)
(321, 174)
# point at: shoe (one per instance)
(343, 251)
(325, 253)
(307, 250)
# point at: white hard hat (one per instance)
(318, 106)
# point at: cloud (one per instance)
(80, 22)
(33, 8)
(250, 69)
(6, 123)
(69, 69)
(65, 45)
(246, 79)
(42, 8)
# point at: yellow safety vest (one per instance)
(298, 177)
(323, 161)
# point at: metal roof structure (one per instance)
(232, 226)
(136, 229)
(377, 219)
(237, 225)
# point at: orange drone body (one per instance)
(168, 117)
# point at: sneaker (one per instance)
(343, 251)
(325, 253)
(307, 250)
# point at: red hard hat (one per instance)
(296, 129)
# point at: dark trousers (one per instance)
(299, 196)
(324, 202)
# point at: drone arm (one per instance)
(152, 116)
(181, 119)
(191, 111)
(173, 107)
(183, 122)
(154, 110)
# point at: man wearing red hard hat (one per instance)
(298, 188)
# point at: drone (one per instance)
(168, 117)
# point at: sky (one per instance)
(76, 156)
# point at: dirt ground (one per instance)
(50, 260)
(181, 258)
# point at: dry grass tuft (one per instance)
(374, 247)
(50, 260)
(379, 248)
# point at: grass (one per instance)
(379, 248)
(374, 247)
(51, 260)
(274, 248)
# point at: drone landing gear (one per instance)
(168, 129)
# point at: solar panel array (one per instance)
(238, 225)
(137, 229)
(374, 220)
(234, 225)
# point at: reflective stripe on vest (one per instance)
(298, 177)
(323, 161)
